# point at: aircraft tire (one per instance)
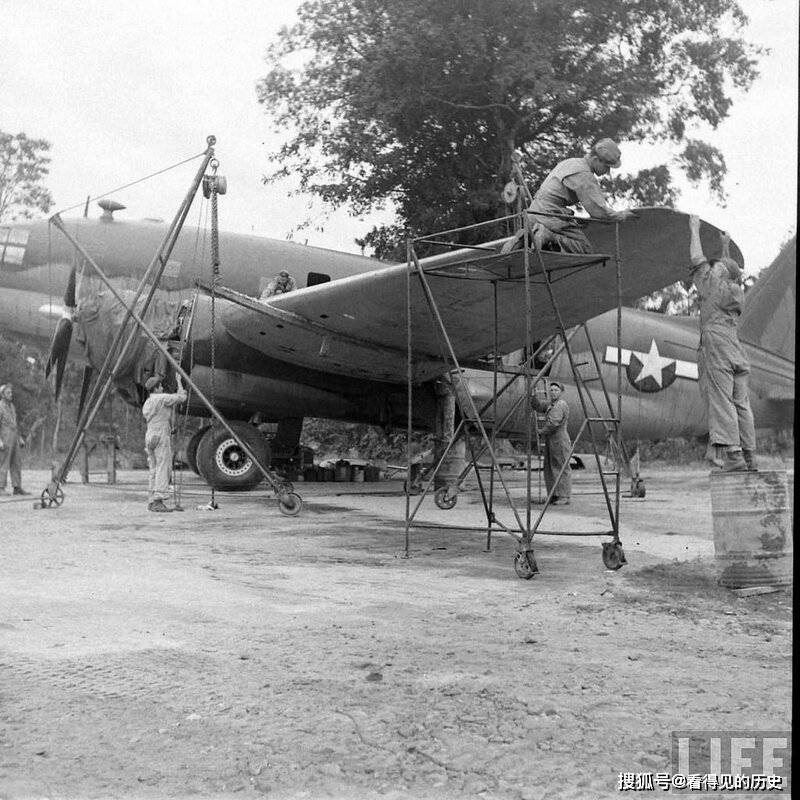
(224, 465)
(191, 448)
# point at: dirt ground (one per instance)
(242, 653)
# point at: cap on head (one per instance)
(558, 384)
(4, 387)
(283, 273)
(607, 150)
(734, 270)
(152, 383)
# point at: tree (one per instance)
(423, 104)
(23, 167)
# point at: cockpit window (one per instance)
(315, 278)
(12, 246)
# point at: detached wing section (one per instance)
(357, 326)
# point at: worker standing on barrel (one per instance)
(556, 443)
(573, 181)
(722, 366)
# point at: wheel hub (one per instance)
(231, 460)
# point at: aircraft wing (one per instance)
(357, 326)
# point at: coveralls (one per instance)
(280, 284)
(157, 410)
(722, 366)
(10, 460)
(571, 181)
(556, 445)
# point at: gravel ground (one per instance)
(239, 652)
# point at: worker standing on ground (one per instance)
(157, 411)
(722, 366)
(556, 443)
(10, 441)
(573, 181)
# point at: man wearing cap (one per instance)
(283, 282)
(10, 441)
(556, 443)
(573, 181)
(722, 365)
(157, 410)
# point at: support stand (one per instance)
(481, 426)
(289, 503)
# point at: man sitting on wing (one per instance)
(573, 181)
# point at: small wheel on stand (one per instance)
(443, 500)
(638, 488)
(51, 500)
(290, 504)
(613, 555)
(525, 565)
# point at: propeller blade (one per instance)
(59, 346)
(88, 371)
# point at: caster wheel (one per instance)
(525, 565)
(638, 488)
(443, 501)
(52, 500)
(290, 504)
(613, 555)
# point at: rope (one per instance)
(128, 185)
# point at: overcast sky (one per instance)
(122, 88)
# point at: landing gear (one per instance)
(444, 499)
(613, 555)
(224, 464)
(191, 448)
(525, 564)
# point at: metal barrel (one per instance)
(752, 518)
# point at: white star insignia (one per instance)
(652, 364)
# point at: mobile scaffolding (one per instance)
(527, 267)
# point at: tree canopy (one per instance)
(424, 103)
(23, 167)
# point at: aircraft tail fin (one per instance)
(768, 317)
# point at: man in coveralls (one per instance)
(556, 443)
(573, 181)
(10, 441)
(722, 366)
(157, 411)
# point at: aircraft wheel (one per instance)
(638, 488)
(613, 555)
(223, 464)
(191, 448)
(443, 501)
(290, 504)
(525, 565)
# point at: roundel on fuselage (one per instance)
(650, 372)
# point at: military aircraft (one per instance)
(337, 346)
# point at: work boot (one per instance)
(750, 460)
(715, 453)
(20, 490)
(561, 501)
(159, 507)
(734, 461)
